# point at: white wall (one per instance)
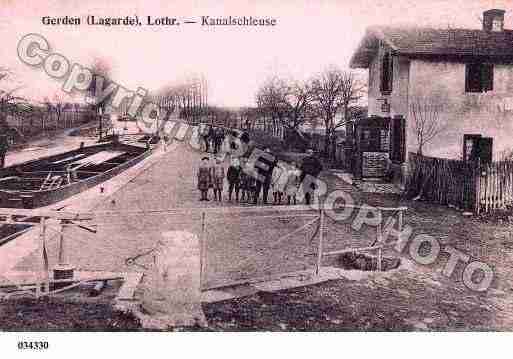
(399, 96)
(490, 114)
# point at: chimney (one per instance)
(493, 20)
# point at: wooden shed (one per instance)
(372, 147)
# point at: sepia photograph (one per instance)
(186, 170)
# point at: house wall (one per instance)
(490, 113)
(398, 98)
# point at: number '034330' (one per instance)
(36, 345)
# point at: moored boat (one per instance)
(47, 180)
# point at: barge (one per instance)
(47, 180)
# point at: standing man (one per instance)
(311, 166)
(4, 146)
(265, 171)
(218, 139)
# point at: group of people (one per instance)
(248, 183)
(213, 137)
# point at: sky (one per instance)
(309, 36)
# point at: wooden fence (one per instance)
(465, 185)
(495, 186)
(444, 181)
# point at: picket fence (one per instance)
(496, 186)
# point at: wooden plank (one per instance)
(321, 244)
(69, 158)
(99, 157)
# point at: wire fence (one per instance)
(237, 244)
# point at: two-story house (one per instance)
(461, 80)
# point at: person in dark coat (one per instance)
(210, 138)
(246, 183)
(233, 176)
(233, 144)
(264, 182)
(244, 137)
(4, 146)
(218, 139)
(311, 166)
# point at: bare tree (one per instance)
(12, 105)
(189, 97)
(168, 99)
(297, 98)
(425, 115)
(270, 100)
(335, 90)
(56, 107)
(284, 103)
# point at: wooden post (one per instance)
(61, 243)
(477, 187)
(400, 224)
(63, 269)
(44, 276)
(380, 249)
(202, 250)
(321, 239)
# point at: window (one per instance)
(478, 77)
(497, 24)
(386, 74)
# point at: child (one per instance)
(247, 183)
(292, 185)
(218, 179)
(204, 178)
(233, 175)
(278, 181)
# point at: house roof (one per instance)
(434, 43)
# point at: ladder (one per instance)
(51, 182)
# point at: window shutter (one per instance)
(390, 72)
(384, 73)
(387, 67)
(467, 78)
